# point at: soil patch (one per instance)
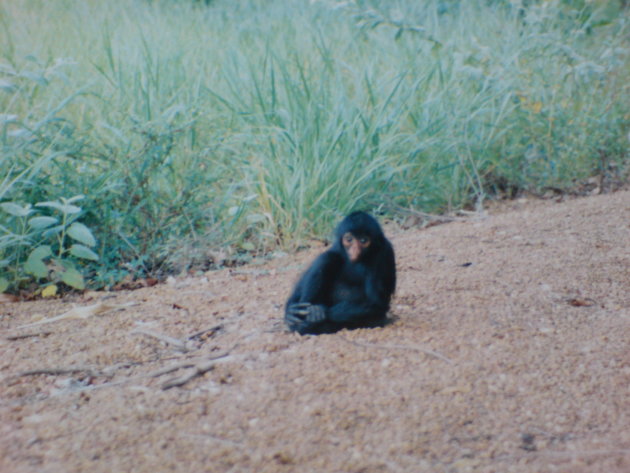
(508, 352)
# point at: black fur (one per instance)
(335, 293)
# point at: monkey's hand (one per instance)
(303, 314)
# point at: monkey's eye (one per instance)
(364, 241)
(348, 238)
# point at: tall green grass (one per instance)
(253, 125)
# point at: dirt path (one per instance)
(509, 352)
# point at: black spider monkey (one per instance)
(348, 286)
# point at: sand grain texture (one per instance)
(509, 352)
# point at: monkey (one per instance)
(348, 286)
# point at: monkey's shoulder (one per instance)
(330, 259)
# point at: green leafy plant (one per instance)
(45, 247)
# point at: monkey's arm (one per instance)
(305, 308)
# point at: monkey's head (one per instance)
(359, 234)
(355, 246)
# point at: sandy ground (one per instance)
(509, 351)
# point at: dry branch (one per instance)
(170, 369)
(199, 370)
(58, 371)
(27, 335)
(82, 313)
(200, 333)
(175, 342)
(426, 351)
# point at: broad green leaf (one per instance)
(41, 252)
(76, 198)
(70, 209)
(63, 208)
(15, 209)
(36, 267)
(38, 223)
(81, 233)
(64, 264)
(4, 284)
(52, 205)
(84, 252)
(53, 231)
(35, 262)
(73, 278)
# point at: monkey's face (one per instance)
(355, 246)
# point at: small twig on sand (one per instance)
(170, 369)
(199, 334)
(200, 366)
(175, 342)
(199, 369)
(84, 312)
(27, 335)
(91, 371)
(426, 351)
(58, 371)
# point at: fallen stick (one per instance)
(170, 369)
(198, 335)
(81, 313)
(175, 342)
(199, 370)
(107, 371)
(27, 335)
(57, 371)
(426, 351)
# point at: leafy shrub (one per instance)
(53, 246)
